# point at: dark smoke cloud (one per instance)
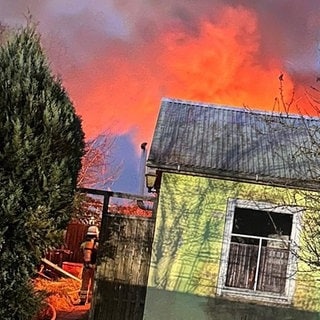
(81, 29)
(290, 32)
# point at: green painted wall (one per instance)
(187, 249)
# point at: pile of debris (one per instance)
(62, 294)
(60, 285)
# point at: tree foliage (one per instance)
(41, 147)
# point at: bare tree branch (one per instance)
(98, 166)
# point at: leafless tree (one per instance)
(303, 161)
(99, 169)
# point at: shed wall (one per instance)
(183, 278)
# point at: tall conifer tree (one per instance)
(41, 145)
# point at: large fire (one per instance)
(220, 62)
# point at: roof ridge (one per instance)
(243, 109)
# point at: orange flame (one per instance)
(220, 64)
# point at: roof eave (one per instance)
(238, 176)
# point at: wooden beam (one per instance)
(117, 194)
(59, 270)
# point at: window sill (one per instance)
(254, 296)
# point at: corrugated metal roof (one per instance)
(221, 141)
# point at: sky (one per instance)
(118, 58)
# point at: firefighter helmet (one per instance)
(93, 231)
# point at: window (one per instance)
(258, 257)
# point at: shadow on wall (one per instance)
(165, 305)
(235, 310)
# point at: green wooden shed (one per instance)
(236, 214)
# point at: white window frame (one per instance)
(292, 260)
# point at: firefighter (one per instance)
(89, 248)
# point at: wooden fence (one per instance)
(74, 237)
(124, 256)
(70, 251)
(122, 274)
